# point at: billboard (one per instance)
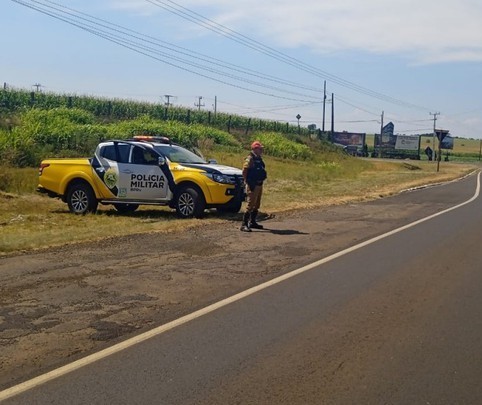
(387, 139)
(407, 142)
(348, 138)
(387, 132)
(387, 144)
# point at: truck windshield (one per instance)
(176, 154)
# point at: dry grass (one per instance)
(32, 221)
(29, 221)
(378, 179)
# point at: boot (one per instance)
(245, 227)
(253, 224)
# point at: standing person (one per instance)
(428, 152)
(254, 174)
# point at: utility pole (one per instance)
(380, 139)
(37, 85)
(215, 105)
(332, 114)
(168, 98)
(199, 105)
(324, 102)
(434, 131)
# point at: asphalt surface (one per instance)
(394, 322)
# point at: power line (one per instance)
(355, 106)
(129, 38)
(151, 47)
(356, 121)
(416, 130)
(242, 39)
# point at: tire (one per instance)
(232, 207)
(190, 203)
(81, 199)
(126, 208)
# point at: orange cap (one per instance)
(256, 144)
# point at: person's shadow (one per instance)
(282, 231)
(264, 217)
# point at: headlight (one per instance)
(220, 178)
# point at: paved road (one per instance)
(396, 321)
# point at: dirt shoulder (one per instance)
(60, 304)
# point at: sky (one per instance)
(413, 60)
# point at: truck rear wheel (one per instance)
(81, 199)
(190, 203)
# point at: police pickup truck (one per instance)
(143, 170)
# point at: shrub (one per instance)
(39, 133)
(184, 134)
(278, 145)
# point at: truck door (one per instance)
(141, 178)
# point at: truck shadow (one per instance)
(165, 213)
(141, 213)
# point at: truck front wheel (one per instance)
(190, 203)
(232, 207)
(81, 199)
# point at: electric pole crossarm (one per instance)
(198, 104)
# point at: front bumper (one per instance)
(239, 190)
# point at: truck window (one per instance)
(177, 154)
(124, 152)
(108, 152)
(143, 156)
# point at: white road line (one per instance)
(42, 379)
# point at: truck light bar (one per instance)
(151, 138)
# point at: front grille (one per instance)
(236, 179)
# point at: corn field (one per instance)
(36, 125)
(13, 101)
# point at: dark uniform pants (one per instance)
(254, 199)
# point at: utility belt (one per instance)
(253, 184)
(257, 179)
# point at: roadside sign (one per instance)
(441, 134)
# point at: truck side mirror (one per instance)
(161, 161)
(212, 161)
